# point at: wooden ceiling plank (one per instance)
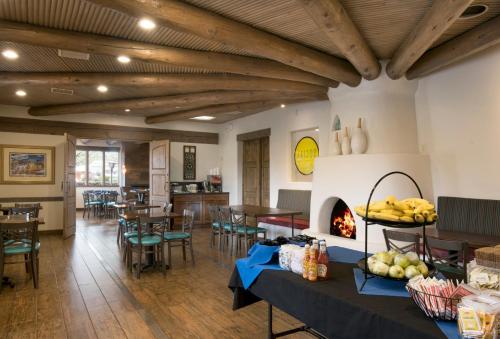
(104, 132)
(178, 82)
(473, 41)
(251, 106)
(437, 20)
(170, 102)
(98, 44)
(332, 18)
(187, 18)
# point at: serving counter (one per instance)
(198, 202)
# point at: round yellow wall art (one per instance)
(305, 152)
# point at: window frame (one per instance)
(86, 149)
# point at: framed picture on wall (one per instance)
(27, 165)
(189, 165)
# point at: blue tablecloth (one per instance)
(379, 286)
(260, 257)
(345, 255)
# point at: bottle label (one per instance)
(322, 270)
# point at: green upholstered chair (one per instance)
(148, 238)
(19, 240)
(244, 232)
(183, 238)
(216, 225)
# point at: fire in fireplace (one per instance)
(342, 221)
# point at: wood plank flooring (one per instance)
(86, 292)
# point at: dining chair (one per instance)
(36, 205)
(448, 256)
(227, 228)
(402, 242)
(110, 199)
(148, 239)
(20, 239)
(216, 225)
(183, 238)
(31, 211)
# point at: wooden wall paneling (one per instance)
(254, 135)
(251, 172)
(98, 131)
(265, 179)
(136, 156)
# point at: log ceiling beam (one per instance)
(104, 132)
(473, 41)
(248, 108)
(331, 17)
(174, 82)
(435, 22)
(170, 103)
(98, 44)
(183, 17)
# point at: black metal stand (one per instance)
(389, 224)
(271, 335)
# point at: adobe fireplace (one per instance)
(342, 222)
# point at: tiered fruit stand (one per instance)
(363, 264)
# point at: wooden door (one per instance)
(68, 185)
(159, 172)
(251, 172)
(264, 148)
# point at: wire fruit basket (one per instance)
(435, 306)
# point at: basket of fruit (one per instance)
(396, 266)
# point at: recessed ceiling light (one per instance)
(203, 117)
(123, 59)
(10, 54)
(317, 129)
(147, 24)
(473, 11)
(102, 89)
(127, 109)
(283, 105)
(21, 93)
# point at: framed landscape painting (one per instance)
(27, 165)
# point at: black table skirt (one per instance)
(334, 308)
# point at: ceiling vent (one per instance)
(63, 53)
(61, 91)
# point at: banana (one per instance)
(409, 213)
(419, 218)
(392, 212)
(399, 205)
(423, 207)
(406, 218)
(389, 200)
(378, 206)
(385, 216)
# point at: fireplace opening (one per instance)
(342, 221)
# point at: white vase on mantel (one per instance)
(359, 143)
(346, 143)
(335, 148)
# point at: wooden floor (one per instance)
(86, 292)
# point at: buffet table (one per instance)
(334, 308)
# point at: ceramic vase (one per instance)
(359, 143)
(346, 143)
(335, 148)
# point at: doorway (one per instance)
(256, 171)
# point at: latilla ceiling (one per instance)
(383, 23)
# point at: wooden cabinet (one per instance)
(198, 202)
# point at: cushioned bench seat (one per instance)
(299, 223)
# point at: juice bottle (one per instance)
(315, 249)
(305, 263)
(313, 268)
(322, 262)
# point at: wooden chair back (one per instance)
(15, 234)
(31, 211)
(187, 221)
(157, 225)
(36, 205)
(393, 241)
(448, 253)
(213, 212)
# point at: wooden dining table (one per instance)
(261, 212)
(474, 240)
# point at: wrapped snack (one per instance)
(468, 322)
(297, 260)
(286, 255)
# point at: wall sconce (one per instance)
(124, 169)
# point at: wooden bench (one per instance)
(295, 200)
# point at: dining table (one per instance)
(262, 212)
(474, 240)
(152, 212)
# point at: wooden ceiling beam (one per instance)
(331, 17)
(435, 22)
(170, 103)
(473, 41)
(183, 17)
(250, 107)
(173, 82)
(98, 44)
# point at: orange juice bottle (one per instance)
(305, 263)
(313, 268)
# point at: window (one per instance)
(97, 167)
